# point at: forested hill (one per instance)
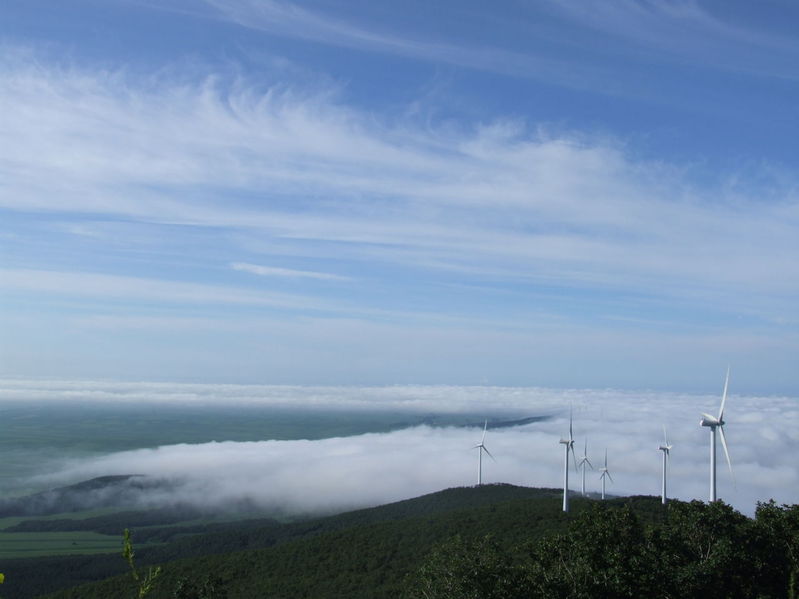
(495, 541)
(438, 515)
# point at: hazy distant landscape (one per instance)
(38, 438)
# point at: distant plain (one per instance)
(36, 437)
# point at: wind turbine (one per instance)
(480, 447)
(714, 423)
(583, 461)
(568, 444)
(605, 473)
(665, 448)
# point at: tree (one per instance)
(462, 569)
(691, 550)
(606, 553)
(208, 587)
(777, 528)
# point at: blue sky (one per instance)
(584, 194)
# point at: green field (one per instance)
(38, 544)
(51, 543)
(93, 531)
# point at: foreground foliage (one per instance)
(698, 550)
(144, 582)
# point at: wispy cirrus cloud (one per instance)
(688, 31)
(483, 242)
(140, 289)
(493, 198)
(273, 271)
(674, 31)
(289, 19)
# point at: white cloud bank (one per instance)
(369, 469)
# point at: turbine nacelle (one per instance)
(569, 443)
(584, 459)
(604, 470)
(665, 447)
(712, 421)
(482, 447)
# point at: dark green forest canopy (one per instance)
(492, 541)
(25, 575)
(696, 550)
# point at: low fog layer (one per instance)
(341, 473)
(413, 398)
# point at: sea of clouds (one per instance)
(341, 473)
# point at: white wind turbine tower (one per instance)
(581, 464)
(665, 448)
(568, 444)
(714, 423)
(480, 447)
(605, 473)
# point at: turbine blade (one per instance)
(489, 453)
(665, 438)
(574, 456)
(606, 457)
(590, 465)
(726, 451)
(610, 477)
(485, 428)
(571, 436)
(724, 397)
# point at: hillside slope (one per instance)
(366, 553)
